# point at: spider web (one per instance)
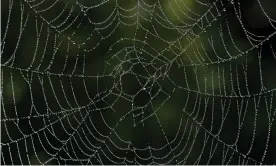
(142, 82)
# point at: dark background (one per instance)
(78, 85)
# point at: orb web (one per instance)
(143, 82)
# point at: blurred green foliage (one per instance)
(134, 71)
